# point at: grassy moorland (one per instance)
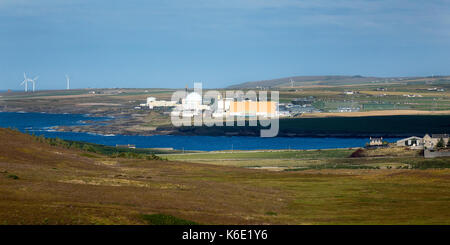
(42, 183)
(274, 159)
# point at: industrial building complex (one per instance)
(192, 105)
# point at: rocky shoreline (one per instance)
(135, 123)
(217, 131)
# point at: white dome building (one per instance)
(192, 101)
(150, 99)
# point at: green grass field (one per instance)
(243, 155)
(315, 159)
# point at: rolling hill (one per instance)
(324, 80)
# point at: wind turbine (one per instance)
(34, 82)
(68, 82)
(26, 80)
(292, 83)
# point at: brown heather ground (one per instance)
(60, 186)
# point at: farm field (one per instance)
(45, 184)
(299, 160)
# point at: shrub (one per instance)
(152, 157)
(358, 153)
(134, 155)
(100, 149)
(13, 176)
(88, 148)
(75, 145)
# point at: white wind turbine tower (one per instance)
(34, 82)
(25, 81)
(68, 82)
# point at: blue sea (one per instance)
(41, 123)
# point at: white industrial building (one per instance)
(223, 107)
(152, 102)
(191, 105)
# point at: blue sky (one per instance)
(107, 43)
